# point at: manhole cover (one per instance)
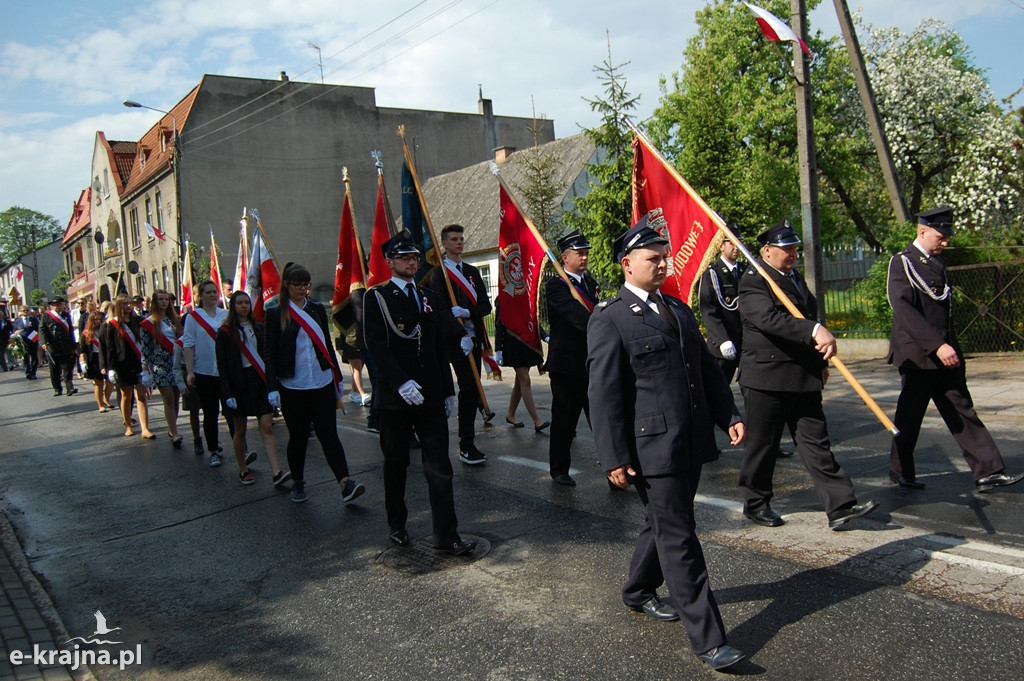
(418, 557)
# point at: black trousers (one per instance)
(61, 368)
(432, 428)
(320, 405)
(469, 392)
(568, 399)
(948, 389)
(767, 413)
(31, 358)
(208, 390)
(668, 550)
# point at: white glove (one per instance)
(497, 357)
(728, 350)
(231, 403)
(274, 398)
(145, 379)
(460, 312)
(410, 392)
(466, 343)
(449, 405)
(111, 375)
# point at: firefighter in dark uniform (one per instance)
(656, 394)
(56, 337)
(783, 369)
(567, 350)
(402, 323)
(719, 306)
(924, 348)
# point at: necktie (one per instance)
(796, 283)
(665, 312)
(410, 291)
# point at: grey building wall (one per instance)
(280, 147)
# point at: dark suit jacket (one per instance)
(229, 359)
(477, 311)
(27, 325)
(778, 348)
(719, 289)
(920, 324)
(655, 395)
(567, 344)
(401, 359)
(58, 340)
(280, 357)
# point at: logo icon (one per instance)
(101, 630)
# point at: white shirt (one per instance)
(195, 336)
(644, 296)
(308, 374)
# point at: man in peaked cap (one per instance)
(656, 394)
(719, 305)
(567, 350)
(402, 323)
(924, 348)
(56, 337)
(783, 368)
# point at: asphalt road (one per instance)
(219, 581)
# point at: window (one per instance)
(133, 222)
(106, 183)
(167, 279)
(140, 285)
(156, 281)
(159, 213)
(149, 213)
(485, 275)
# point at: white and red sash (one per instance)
(56, 317)
(253, 356)
(460, 280)
(162, 338)
(95, 342)
(129, 338)
(316, 335)
(206, 326)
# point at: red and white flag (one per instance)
(263, 281)
(520, 260)
(379, 271)
(776, 29)
(674, 209)
(153, 232)
(215, 269)
(349, 275)
(187, 303)
(20, 275)
(238, 282)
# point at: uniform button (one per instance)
(693, 387)
(643, 430)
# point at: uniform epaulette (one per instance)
(605, 303)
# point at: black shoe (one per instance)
(399, 537)
(839, 518)
(659, 609)
(564, 479)
(781, 453)
(458, 548)
(722, 657)
(488, 416)
(58, 394)
(372, 426)
(765, 516)
(514, 424)
(73, 391)
(909, 483)
(473, 457)
(1000, 479)
(542, 426)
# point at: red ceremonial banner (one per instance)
(348, 273)
(379, 271)
(674, 209)
(520, 260)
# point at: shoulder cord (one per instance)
(917, 281)
(416, 333)
(718, 292)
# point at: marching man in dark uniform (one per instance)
(783, 368)
(923, 347)
(26, 326)
(472, 305)
(402, 323)
(719, 306)
(656, 394)
(567, 350)
(57, 340)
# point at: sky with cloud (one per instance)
(65, 67)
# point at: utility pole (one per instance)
(867, 98)
(807, 157)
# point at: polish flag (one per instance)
(263, 281)
(775, 29)
(153, 232)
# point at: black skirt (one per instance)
(252, 396)
(516, 353)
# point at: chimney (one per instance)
(486, 109)
(284, 77)
(501, 154)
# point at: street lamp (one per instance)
(175, 155)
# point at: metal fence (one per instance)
(988, 306)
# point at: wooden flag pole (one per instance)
(779, 293)
(488, 414)
(266, 239)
